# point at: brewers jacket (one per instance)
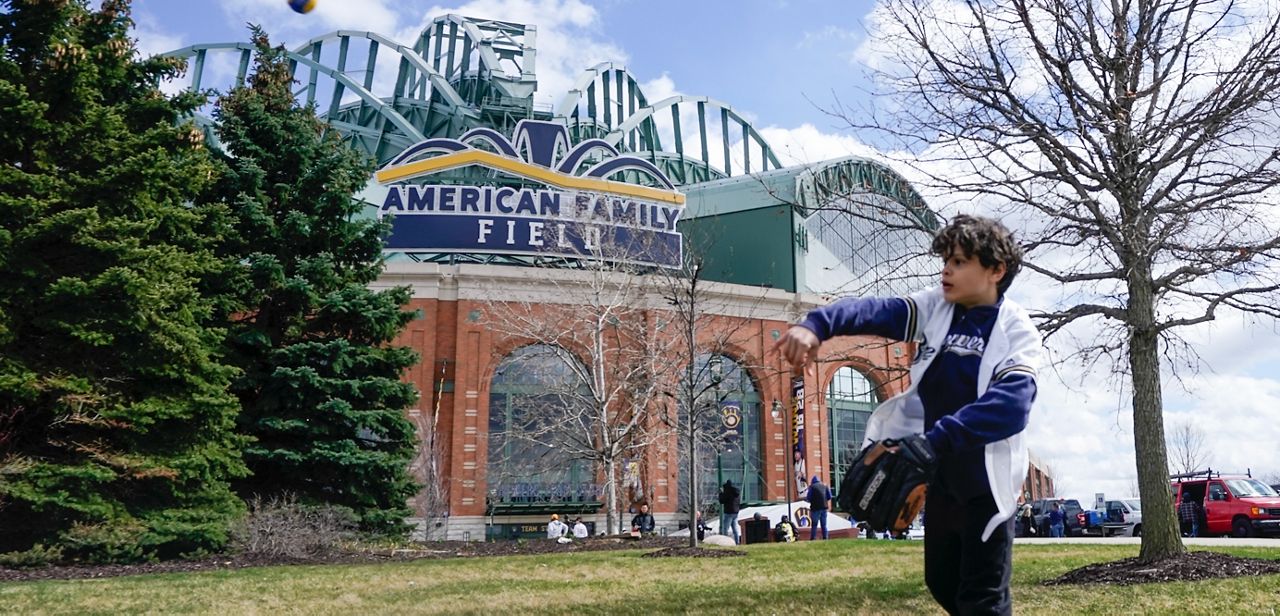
(1010, 354)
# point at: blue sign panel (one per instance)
(579, 213)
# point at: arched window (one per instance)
(528, 398)
(728, 433)
(850, 399)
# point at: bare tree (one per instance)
(1186, 447)
(597, 355)
(432, 502)
(1132, 146)
(699, 339)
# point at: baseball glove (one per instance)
(886, 484)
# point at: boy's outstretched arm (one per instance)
(888, 317)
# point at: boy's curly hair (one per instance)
(984, 238)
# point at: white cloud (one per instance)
(806, 144)
(828, 34)
(659, 88)
(152, 38)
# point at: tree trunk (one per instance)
(612, 514)
(693, 487)
(691, 400)
(1161, 536)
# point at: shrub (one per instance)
(283, 527)
(38, 556)
(120, 541)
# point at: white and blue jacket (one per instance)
(985, 433)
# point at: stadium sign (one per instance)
(575, 211)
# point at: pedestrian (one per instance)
(702, 527)
(1056, 521)
(1027, 515)
(970, 394)
(729, 506)
(643, 522)
(579, 529)
(784, 532)
(555, 528)
(1188, 516)
(819, 498)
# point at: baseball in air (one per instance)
(302, 6)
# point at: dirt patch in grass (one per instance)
(1182, 568)
(688, 552)
(432, 550)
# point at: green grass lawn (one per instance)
(845, 577)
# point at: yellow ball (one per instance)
(302, 6)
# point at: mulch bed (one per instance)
(688, 552)
(1182, 568)
(428, 551)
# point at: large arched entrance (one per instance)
(851, 397)
(729, 427)
(527, 472)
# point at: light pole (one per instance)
(789, 467)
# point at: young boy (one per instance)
(972, 385)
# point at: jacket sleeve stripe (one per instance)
(912, 313)
(1012, 369)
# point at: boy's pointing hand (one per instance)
(799, 346)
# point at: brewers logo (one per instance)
(731, 416)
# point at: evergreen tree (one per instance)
(321, 394)
(116, 429)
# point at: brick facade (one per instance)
(459, 354)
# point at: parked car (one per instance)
(1122, 517)
(1236, 505)
(1072, 513)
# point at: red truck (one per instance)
(1236, 505)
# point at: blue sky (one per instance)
(764, 57)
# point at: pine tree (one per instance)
(116, 429)
(321, 394)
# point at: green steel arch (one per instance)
(632, 128)
(490, 62)
(370, 123)
(614, 86)
(823, 182)
(608, 102)
(416, 75)
(420, 94)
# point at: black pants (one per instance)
(965, 574)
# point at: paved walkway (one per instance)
(1203, 541)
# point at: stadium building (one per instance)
(510, 217)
